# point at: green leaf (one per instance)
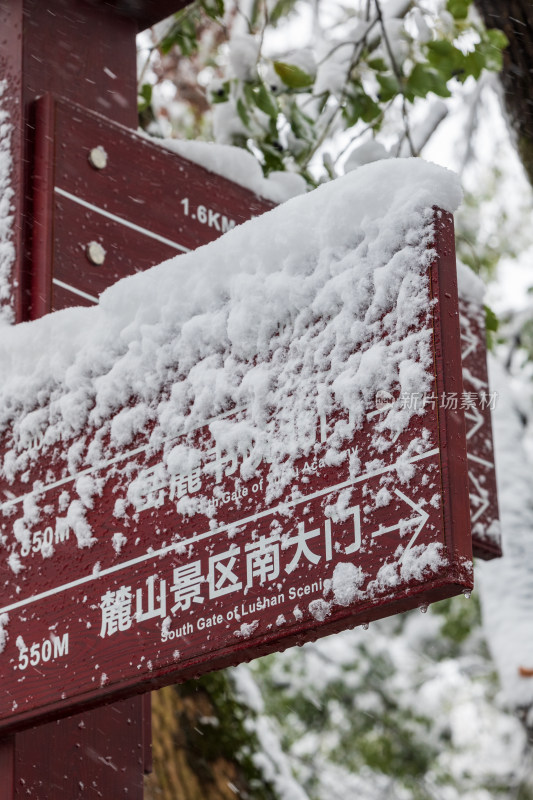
(458, 618)
(213, 8)
(369, 108)
(302, 125)
(242, 111)
(248, 89)
(474, 63)
(360, 106)
(497, 38)
(266, 101)
(144, 97)
(378, 64)
(441, 48)
(258, 95)
(182, 35)
(491, 54)
(444, 57)
(491, 320)
(292, 76)
(424, 79)
(255, 13)
(492, 324)
(281, 9)
(272, 156)
(388, 87)
(220, 95)
(458, 8)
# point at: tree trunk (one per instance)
(202, 748)
(515, 19)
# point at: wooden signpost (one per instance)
(103, 202)
(174, 595)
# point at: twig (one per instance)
(361, 40)
(358, 49)
(178, 16)
(362, 132)
(145, 67)
(398, 75)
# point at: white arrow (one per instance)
(479, 460)
(468, 337)
(419, 521)
(474, 415)
(472, 380)
(481, 498)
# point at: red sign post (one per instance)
(179, 594)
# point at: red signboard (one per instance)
(477, 400)
(165, 593)
(109, 202)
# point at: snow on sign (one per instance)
(221, 458)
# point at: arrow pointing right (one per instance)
(468, 337)
(480, 499)
(419, 521)
(474, 415)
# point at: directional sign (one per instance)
(478, 400)
(109, 202)
(170, 571)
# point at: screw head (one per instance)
(98, 157)
(95, 253)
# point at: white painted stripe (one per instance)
(121, 220)
(212, 532)
(480, 461)
(74, 290)
(100, 465)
